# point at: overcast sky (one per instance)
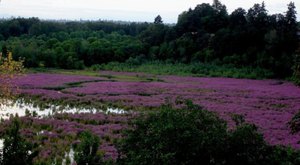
(125, 10)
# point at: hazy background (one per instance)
(125, 10)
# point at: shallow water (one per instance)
(21, 108)
(1, 145)
(69, 155)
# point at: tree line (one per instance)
(205, 34)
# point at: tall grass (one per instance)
(195, 69)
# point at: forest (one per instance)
(207, 34)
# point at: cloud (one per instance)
(128, 10)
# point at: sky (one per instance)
(121, 10)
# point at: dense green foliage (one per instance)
(206, 34)
(192, 135)
(86, 151)
(242, 38)
(15, 149)
(76, 50)
(296, 76)
(294, 124)
(192, 69)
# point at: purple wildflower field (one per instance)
(57, 134)
(269, 104)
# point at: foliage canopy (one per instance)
(192, 135)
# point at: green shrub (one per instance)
(15, 148)
(294, 124)
(192, 135)
(246, 146)
(96, 67)
(86, 150)
(170, 136)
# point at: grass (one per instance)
(63, 71)
(162, 68)
(196, 69)
(88, 72)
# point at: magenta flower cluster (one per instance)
(57, 134)
(269, 104)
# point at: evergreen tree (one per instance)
(16, 150)
(158, 20)
(291, 17)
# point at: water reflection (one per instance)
(69, 156)
(22, 108)
(1, 146)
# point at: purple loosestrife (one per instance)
(269, 104)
